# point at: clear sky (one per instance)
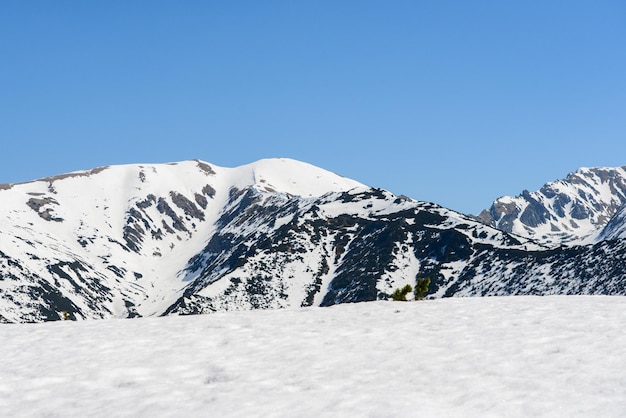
(455, 102)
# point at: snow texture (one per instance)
(556, 356)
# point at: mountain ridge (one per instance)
(192, 237)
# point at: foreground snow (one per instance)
(513, 356)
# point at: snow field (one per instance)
(509, 356)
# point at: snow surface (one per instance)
(511, 356)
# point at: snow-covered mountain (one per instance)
(569, 211)
(115, 240)
(191, 237)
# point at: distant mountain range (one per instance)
(192, 237)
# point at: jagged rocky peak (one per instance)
(569, 211)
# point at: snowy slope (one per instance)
(569, 211)
(479, 357)
(114, 240)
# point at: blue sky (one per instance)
(456, 102)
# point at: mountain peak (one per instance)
(571, 210)
(297, 178)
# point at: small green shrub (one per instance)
(421, 287)
(400, 294)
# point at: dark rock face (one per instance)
(165, 209)
(205, 168)
(189, 208)
(44, 206)
(534, 214)
(500, 215)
